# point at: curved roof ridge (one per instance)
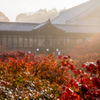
(43, 24)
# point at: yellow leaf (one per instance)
(76, 90)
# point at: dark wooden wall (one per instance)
(27, 41)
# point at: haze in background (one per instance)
(11, 8)
(39, 16)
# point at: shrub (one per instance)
(87, 58)
(27, 76)
(86, 48)
(84, 86)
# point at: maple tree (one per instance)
(87, 47)
(3, 17)
(27, 76)
(91, 57)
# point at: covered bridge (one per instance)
(72, 26)
(34, 37)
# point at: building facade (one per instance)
(73, 26)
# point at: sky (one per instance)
(11, 8)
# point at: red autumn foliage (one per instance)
(27, 76)
(87, 58)
(89, 47)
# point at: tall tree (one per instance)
(39, 16)
(3, 17)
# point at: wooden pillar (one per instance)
(46, 41)
(7, 42)
(28, 41)
(56, 42)
(52, 41)
(55, 39)
(37, 40)
(12, 41)
(0, 39)
(33, 41)
(23, 40)
(65, 41)
(62, 41)
(46, 37)
(17, 41)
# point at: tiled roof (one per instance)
(15, 26)
(79, 28)
(77, 12)
(68, 28)
(43, 24)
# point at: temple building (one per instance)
(72, 26)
